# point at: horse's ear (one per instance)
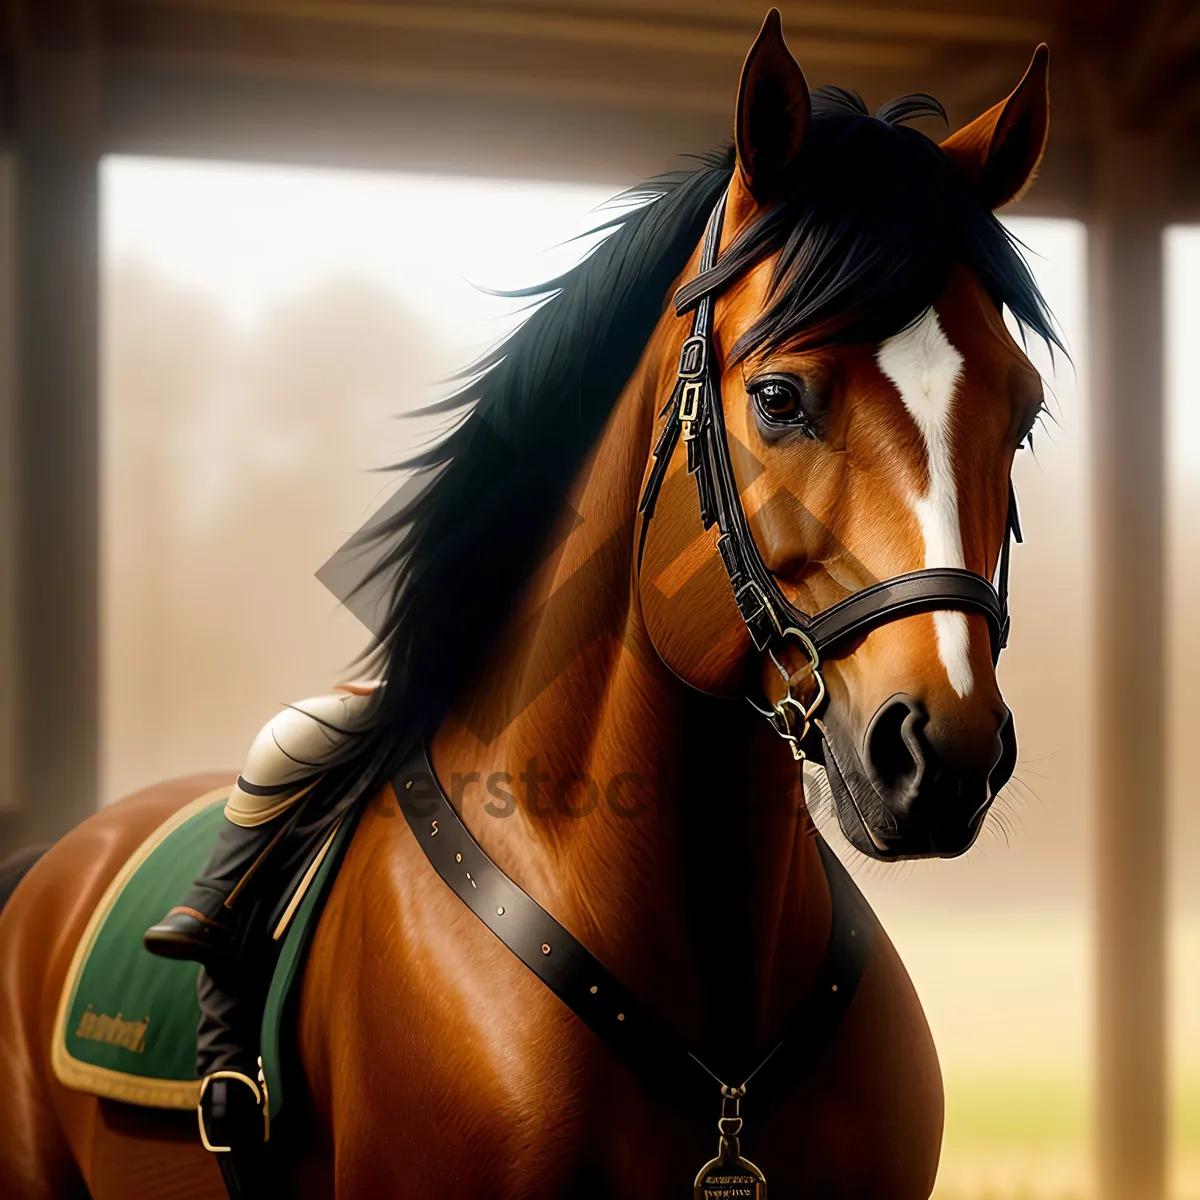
(999, 152)
(773, 109)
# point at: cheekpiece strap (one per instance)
(694, 414)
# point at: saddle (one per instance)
(127, 1021)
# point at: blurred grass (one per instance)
(1185, 1134)
(1015, 1135)
(990, 1110)
(1026, 1136)
(1008, 997)
(1187, 1116)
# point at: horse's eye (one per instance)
(780, 400)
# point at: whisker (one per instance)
(1025, 759)
(1017, 791)
(998, 828)
(1026, 791)
(1021, 769)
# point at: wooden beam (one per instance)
(1150, 67)
(382, 37)
(8, 500)
(57, 495)
(276, 118)
(1125, 287)
(995, 26)
(673, 27)
(256, 117)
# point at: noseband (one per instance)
(696, 414)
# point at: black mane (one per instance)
(869, 231)
(865, 242)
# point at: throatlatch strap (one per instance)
(591, 991)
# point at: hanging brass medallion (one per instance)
(729, 1176)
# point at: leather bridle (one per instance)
(694, 413)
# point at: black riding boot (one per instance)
(204, 927)
(234, 1104)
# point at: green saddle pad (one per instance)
(127, 1020)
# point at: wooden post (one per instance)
(8, 496)
(56, 420)
(1125, 287)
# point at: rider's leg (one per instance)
(233, 1099)
(203, 925)
(251, 854)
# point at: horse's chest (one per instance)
(595, 1142)
(444, 1068)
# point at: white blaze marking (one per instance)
(925, 369)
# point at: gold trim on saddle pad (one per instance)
(104, 1081)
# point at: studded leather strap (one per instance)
(647, 1044)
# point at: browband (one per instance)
(695, 413)
(709, 282)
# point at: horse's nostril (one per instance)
(896, 754)
(1006, 760)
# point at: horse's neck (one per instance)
(665, 829)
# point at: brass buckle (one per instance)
(259, 1099)
(791, 712)
(689, 406)
(693, 357)
(764, 606)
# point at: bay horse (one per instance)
(581, 671)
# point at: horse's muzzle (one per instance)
(901, 798)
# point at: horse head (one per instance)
(872, 400)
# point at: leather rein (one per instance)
(695, 414)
